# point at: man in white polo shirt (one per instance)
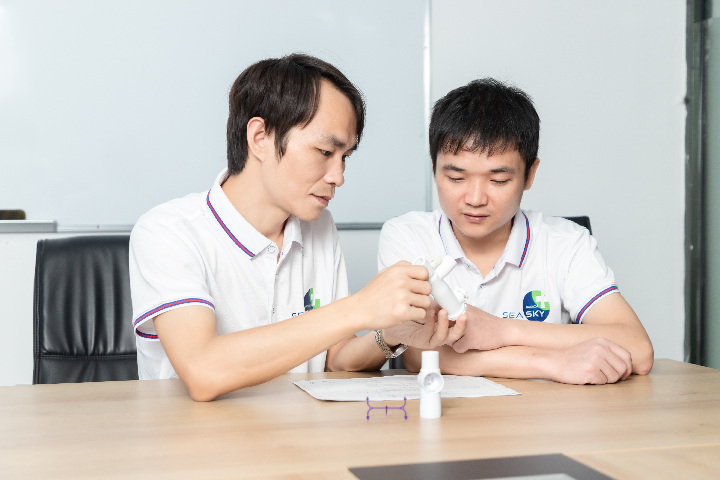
(541, 301)
(244, 282)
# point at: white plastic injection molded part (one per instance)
(444, 266)
(431, 384)
(439, 268)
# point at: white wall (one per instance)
(608, 80)
(17, 271)
(125, 102)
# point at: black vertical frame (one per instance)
(698, 11)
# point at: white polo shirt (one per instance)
(198, 250)
(551, 269)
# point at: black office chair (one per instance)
(583, 221)
(82, 320)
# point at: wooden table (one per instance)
(665, 425)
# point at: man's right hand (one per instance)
(397, 294)
(595, 361)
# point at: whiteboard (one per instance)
(110, 108)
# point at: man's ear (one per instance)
(531, 174)
(257, 138)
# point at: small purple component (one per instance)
(370, 407)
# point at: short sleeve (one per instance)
(166, 271)
(395, 244)
(586, 278)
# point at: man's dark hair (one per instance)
(284, 92)
(485, 116)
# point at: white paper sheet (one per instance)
(395, 387)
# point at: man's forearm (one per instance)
(355, 354)
(591, 362)
(506, 362)
(611, 318)
(556, 337)
(211, 365)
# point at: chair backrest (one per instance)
(583, 221)
(82, 320)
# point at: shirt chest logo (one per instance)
(536, 306)
(310, 301)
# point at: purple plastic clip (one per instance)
(386, 408)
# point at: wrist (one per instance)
(388, 351)
(350, 309)
(389, 337)
(544, 364)
(511, 331)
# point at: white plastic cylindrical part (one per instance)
(445, 267)
(446, 298)
(430, 361)
(430, 405)
(431, 385)
(424, 262)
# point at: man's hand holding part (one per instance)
(433, 331)
(397, 294)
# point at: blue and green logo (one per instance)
(310, 301)
(536, 306)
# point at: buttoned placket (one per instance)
(276, 280)
(481, 296)
(269, 268)
(470, 276)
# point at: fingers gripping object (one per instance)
(452, 301)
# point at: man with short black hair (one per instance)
(542, 303)
(247, 281)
